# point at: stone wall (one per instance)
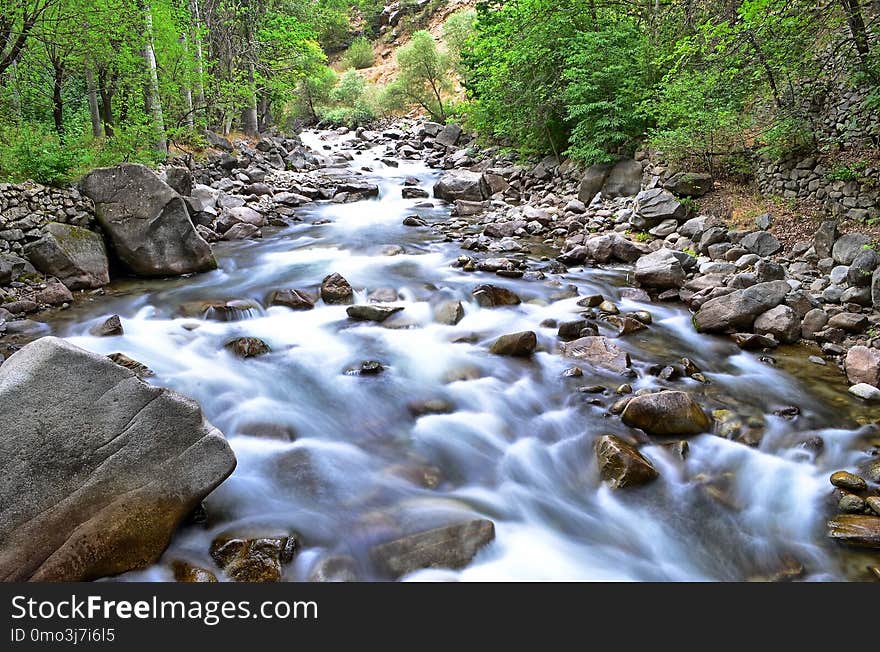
(815, 180)
(26, 208)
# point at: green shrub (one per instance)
(359, 54)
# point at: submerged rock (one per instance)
(293, 299)
(253, 560)
(621, 465)
(93, 482)
(598, 351)
(372, 312)
(515, 344)
(248, 347)
(667, 414)
(451, 546)
(491, 296)
(449, 313)
(856, 530)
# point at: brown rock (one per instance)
(666, 413)
(863, 365)
(598, 351)
(621, 464)
(248, 347)
(856, 530)
(335, 290)
(515, 344)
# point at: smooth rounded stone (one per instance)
(621, 464)
(781, 323)
(753, 341)
(140, 370)
(838, 274)
(848, 246)
(873, 471)
(74, 508)
(108, 328)
(248, 347)
(717, 267)
(861, 296)
(414, 220)
(292, 298)
(862, 267)
(738, 310)
(249, 560)
(689, 184)
(666, 414)
(832, 294)
(643, 316)
(336, 290)
(242, 231)
(451, 546)
(491, 296)
(573, 372)
(736, 254)
(693, 227)
(449, 312)
(592, 301)
(767, 270)
(599, 352)
(849, 322)
(762, 243)
(572, 330)
(608, 308)
(430, 406)
(862, 365)
(54, 294)
(665, 228)
(851, 504)
(461, 184)
(187, 573)
(515, 344)
(335, 568)
(856, 530)
(873, 503)
(661, 269)
(848, 481)
(75, 256)
(626, 325)
(865, 392)
(372, 312)
(146, 221)
(815, 359)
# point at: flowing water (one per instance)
(515, 444)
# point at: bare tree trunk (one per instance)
(249, 118)
(106, 90)
(57, 98)
(856, 27)
(200, 57)
(153, 102)
(187, 89)
(94, 111)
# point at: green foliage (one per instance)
(457, 29)
(424, 77)
(847, 172)
(642, 236)
(359, 54)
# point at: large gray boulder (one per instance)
(461, 184)
(654, 206)
(75, 256)
(737, 311)
(97, 468)
(689, 184)
(621, 179)
(848, 247)
(146, 222)
(660, 269)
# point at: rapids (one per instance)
(516, 443)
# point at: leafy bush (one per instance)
(424, 77)
(359, 54)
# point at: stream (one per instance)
(349, 461)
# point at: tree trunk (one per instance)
(94, 110)
(57, 99)
(153, 102)
(187, 90)
(199, 54)
(857, 28)
(106, 90)
(249, 118)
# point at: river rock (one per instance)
(449, 135)
(621, 465)
(451, 546)
(75, 256)
(108, 328)
(180, 179)
(250, 560)
(856, 530)
(461, 184)
(781, 322)
(515, 344)
(848, 481)
(598, 351)
(146, 222)
(667, 414)
(140, 370)
(370, 312)
(187, 573)
(491, 296)
(865, 392)
(94, 481)
(248, 347)
(449, 313)
(862, 365)
(661, 269)
(624, 179)
(293, 299)
(655, 205)
(335, 568)
(862, 267)
(738, 310)
(823, 241)
(336, 290)
(592, 181)
(762, 243)
(848, 246)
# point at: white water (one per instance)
(518, 447)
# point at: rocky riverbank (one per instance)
(513, 222)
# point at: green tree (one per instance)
(424, 76)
